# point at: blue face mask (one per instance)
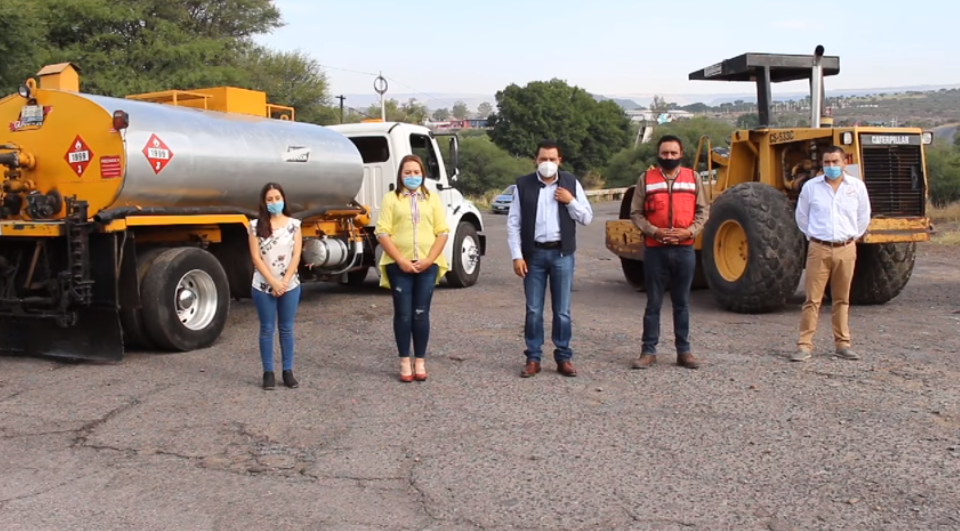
(275, 208)
(832, 172)
(413, 181)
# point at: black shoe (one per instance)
(289, 380)
(269, 382)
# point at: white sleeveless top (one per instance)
(277, 252)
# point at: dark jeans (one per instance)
(412, 293)
(271, 310)
(543, 266)
(676, 265)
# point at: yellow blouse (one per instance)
(412, 231)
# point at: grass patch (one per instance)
(946, 221)
(947, 214)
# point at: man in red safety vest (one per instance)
(669, 207)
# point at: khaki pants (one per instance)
(834, 265)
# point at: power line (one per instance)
(392, 80)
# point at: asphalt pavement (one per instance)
(749, 441)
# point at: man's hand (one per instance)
(680, 234)
(563, 195)
(664, 235)
(520, 267)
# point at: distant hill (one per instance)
(628, 101)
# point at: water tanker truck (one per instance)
(124, 221)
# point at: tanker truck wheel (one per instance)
(882, 271)
(752, 249)
(134, 331)
(465, 269)
(186, 299)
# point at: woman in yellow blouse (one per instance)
(412, 228)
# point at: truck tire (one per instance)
(186, 299)
(131, 319)
(358, 277)
(753, 252)
(882, 271)
(465, 269)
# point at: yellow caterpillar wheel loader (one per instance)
(751, 252)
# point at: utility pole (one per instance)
(341, 98)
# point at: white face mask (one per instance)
(547, 169)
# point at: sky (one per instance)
(616, 48)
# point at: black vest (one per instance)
(528, 187)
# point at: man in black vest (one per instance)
(546, 207)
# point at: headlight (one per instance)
(846, 138)
(927, 137)
(24, 92)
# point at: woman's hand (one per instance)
(407, 266)
(279, 288)
(424, 264)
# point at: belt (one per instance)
(546, 245)
(832, 244)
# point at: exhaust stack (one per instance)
(816, 88)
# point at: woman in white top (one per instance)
(275, 246)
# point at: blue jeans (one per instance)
(271, 310)
(544, 265)
(412, 294)
(676, 265)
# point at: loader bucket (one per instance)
(96, 336)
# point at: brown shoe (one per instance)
(566, 368)
(687, 360)
(644, 361)
(531, 369)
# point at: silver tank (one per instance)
(223, 159)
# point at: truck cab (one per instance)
(382, 145)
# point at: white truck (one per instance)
(382, 145)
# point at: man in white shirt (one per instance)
(547, 206)
(833, 211)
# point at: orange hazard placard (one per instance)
(78, 156)
(158, 153)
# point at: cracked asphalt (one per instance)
(748, 442)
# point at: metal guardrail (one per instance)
(607, 194)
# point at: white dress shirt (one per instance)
(547, 227)
(833, 216)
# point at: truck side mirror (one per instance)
(454, 170)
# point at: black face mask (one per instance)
(668, 164)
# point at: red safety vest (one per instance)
(670, 208)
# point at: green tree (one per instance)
(485, 167)
(22, 43)
(412, 112)
(943, 173)
(441, 115)
(625, 167)
(292, 79)
(484, 109)
(460, 110)
(748, 121)
(589, 132)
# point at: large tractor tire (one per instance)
(753, 252)
(186, 297)
(882, 271)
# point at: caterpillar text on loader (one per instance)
(123, 222)
(752, 253)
